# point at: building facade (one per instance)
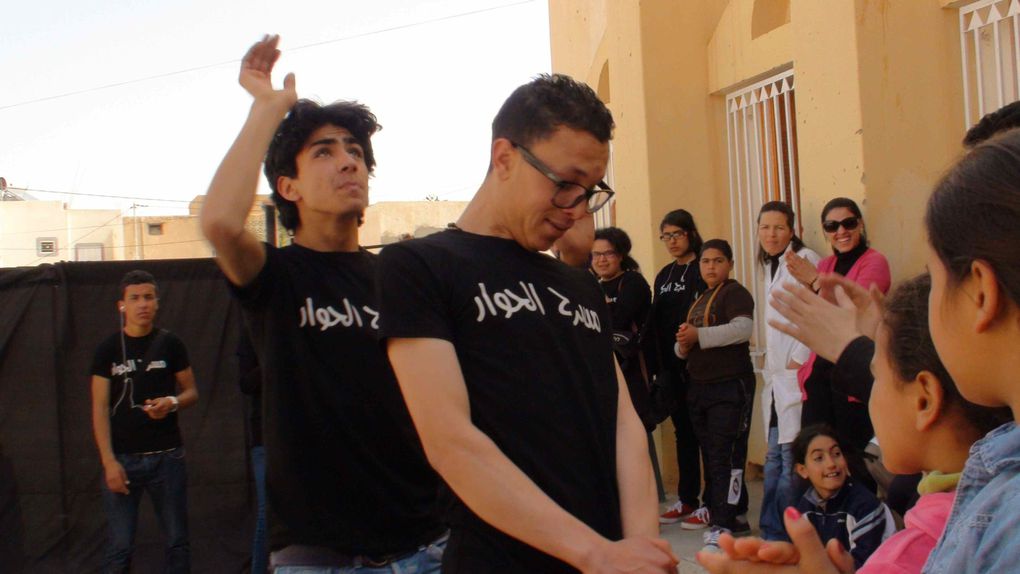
(722, 105)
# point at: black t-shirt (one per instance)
(345, 468)
(629, 299)
(533, 340)
(730, 361)
(674, 290)
(150, 375)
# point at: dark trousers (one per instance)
(688, 453)
(721, 415)
(164, 476)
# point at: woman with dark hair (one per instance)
(629, 299)
(780, 397)
(676, 286)
(844, 228)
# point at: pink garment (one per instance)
(906, 551)
(871, 268)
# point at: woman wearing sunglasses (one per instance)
(825, 402)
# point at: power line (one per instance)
(235, 61)
(101, 195)
(160, 244)
(76, 241)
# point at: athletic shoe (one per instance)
(676, 513)
(712, 539)
(697, 520)
(741, 526)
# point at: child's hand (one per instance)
(687, 336)
(805, 555)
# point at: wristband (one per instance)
(176, 403)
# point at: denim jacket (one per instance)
(983, 531)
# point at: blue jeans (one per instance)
(259, 550)
(778, 487)
(165, 477)
(427, 560)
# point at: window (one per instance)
(46, 246)
(155, 228)
(990, 49)
(88, 252)
(762, 158)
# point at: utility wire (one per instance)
(235, 61)
(76, 241)
(131, 197)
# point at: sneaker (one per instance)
(712, 539)
(697, 520)
(741, 526)
(676, 513)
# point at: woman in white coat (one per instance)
(781, 396)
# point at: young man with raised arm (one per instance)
(348, 484)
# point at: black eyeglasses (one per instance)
(671, 235)
(832, 226)
(569, 194)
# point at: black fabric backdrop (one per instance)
(51, 319)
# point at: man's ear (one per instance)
(927, 399)
(287, 188)
(503, 157)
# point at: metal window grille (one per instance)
(606, 217)
(990, 48)
(762, 156)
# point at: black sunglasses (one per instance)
(569, 194)
(832, 226)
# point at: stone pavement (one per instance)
(688, 542)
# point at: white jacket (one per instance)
(780, 349)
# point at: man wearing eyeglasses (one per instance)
(504, 357)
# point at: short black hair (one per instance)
(720, 244)
(292, 135)
(137, 277)
(1005, 118)
(684, 220)
(550, 101)
(810, 433)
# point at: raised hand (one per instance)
(823, 327)
(867, 302)
(256, 74)
(801, 269)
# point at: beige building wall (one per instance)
(22, 223)
(878, 115)
(389, 221)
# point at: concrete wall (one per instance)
(22, 222)
(879, 104)
(389, 221)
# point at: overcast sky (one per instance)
(139, 98)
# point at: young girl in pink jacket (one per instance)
(915, 402)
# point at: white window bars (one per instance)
(762, 153)
(990, 50)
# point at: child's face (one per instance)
(715, 267)
(891, 412)
(824, 466)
